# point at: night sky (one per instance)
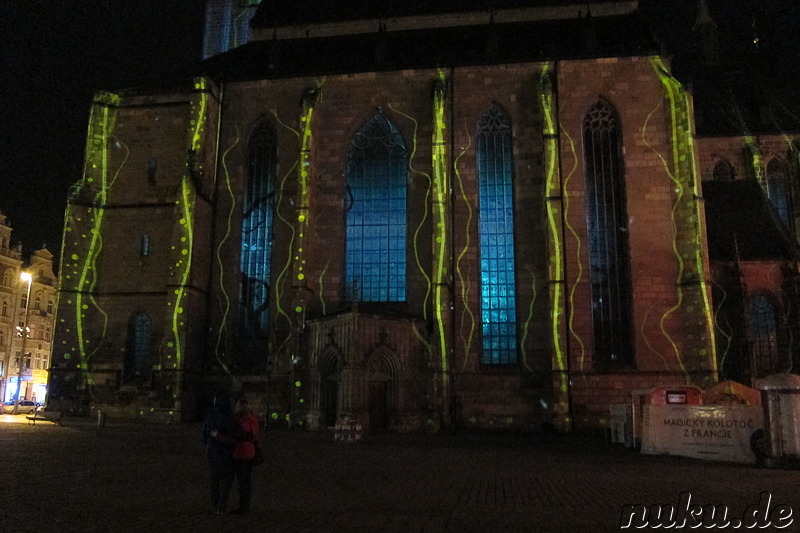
(55, 54)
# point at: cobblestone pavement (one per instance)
(145, 478)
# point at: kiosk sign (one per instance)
(717, 432)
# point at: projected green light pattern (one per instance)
(685, 213)
(468, 323)
(181, 268)
(441, 191)
(79, 269)
(578, 251)
(418, 230)
(225, 304)
(555, 199)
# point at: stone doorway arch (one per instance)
(330, 381)
(382, 390)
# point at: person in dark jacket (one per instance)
(219, 453)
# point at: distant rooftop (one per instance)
(319, 18)
(491, 42)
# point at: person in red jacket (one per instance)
(244, 450)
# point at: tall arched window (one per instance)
(257, 218)
(376, 213)
(608, 236)
(496, 231)
(139, 333)
(763, 333)
(778, 191)
(723, 171)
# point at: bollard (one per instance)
(101, 419)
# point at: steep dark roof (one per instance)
(617, 36)
(743, 99)
(273, 13)
(741, 223)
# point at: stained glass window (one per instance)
(496, 229)
(778, 190)
(763, 333)
(138, 345)
(608, 236)
(722, 171)
(376, 214)
(257, 220)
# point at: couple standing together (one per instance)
(230, 440)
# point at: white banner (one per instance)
(716, 432)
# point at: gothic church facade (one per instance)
(411, 220)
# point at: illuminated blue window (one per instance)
(138, 346)
(257, 219)
(496, 228)
(376, 214)
(778, 191)
(608, 237)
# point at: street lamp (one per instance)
(27, 278)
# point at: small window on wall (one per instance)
(763, 334)
(24, 301)
(4, 310)
(723, 171)
(50, 306)
(152, 171)
(138, 345)
(144, 246)
(778, 191)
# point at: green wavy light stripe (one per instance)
(578, 251)
(426, 201)
(321, 288)
(683, 154)
(466, 312)
(280, 280)
(441, 187)
(556, 254)
(227, 303)
(528, 320)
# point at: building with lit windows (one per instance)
(413, 217)
(24, 368)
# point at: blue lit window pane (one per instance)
(257, 230)
(778, 191)
(138, 345)
(376, 214)
(496, 228)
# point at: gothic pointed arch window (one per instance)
(257, 224)
(723, 171)
(778, 190)
(375, 260)
(763, 335)
(608, 237)
(496, 237)
(138, 353)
